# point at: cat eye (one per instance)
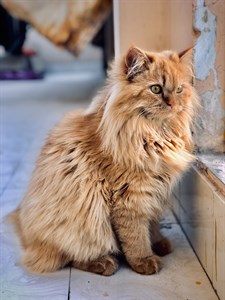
(156, 89)
(179, 89)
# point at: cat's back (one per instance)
(63, 170)
(76, 133)
(76, 126)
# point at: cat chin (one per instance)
(177, 109)
(165, 113)
(171, 111)
(162, 116)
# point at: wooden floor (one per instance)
(28, 111)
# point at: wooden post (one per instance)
(152, 24)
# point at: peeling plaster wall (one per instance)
(209, 64)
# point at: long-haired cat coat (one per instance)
(104, 176)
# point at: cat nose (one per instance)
(169, 101)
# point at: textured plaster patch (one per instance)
(205, 52)
(209, 131)
(208, 82)
(209, 60)
(218, 9)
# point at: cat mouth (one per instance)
(159, 110)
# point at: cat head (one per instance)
(156, 86)
(148, 95)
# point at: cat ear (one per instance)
(186, 56)
(136, 62)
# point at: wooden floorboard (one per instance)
(181, 278)
(18, 284)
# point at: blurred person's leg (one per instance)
(12, 33)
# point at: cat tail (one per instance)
(13, 219)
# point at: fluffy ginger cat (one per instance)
(104, 176)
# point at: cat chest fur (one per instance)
(144, 194)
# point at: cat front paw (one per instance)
(166, 145)
(147, 265)
(168, 149)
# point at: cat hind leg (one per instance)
(161, 245)
(44, 259)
